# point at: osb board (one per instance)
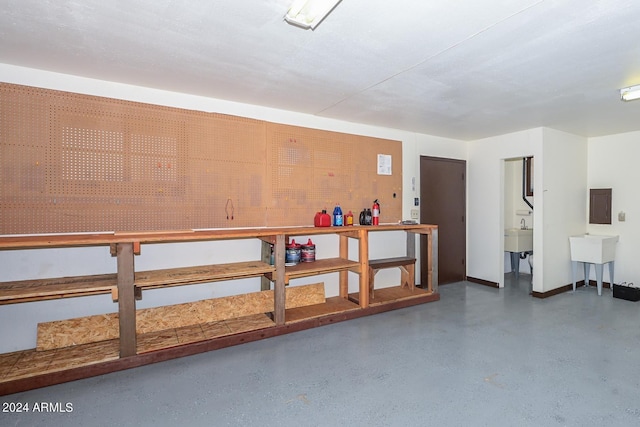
(332, 305)
(7, 362)
(83, 330)
(249, 323)
(30, 363)
(215, 329)
(157, 340)
(80, 163)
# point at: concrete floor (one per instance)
(478, 357)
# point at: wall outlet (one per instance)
(415, 214)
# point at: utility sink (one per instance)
(518, 240)
(593, 248)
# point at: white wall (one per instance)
(613, 163)
(18, 322)
(559, 203)
(486, 204)
(564, 198)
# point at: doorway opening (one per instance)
(517, 220)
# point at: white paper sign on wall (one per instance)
(384, 164)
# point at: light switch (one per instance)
(621, 216)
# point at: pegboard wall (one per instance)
(79, 163)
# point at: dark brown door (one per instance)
(442, 202)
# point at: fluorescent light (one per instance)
(309, 13)
(630, 93)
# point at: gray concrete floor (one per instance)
(478, 357)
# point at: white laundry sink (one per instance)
(593, 248)
(518, 240)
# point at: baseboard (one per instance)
(567, 288)
(593, 283)
(483, 282)
(556, 291)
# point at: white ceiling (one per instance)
(462, 69)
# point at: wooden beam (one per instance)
(355, 234)
(411, 244)
(266, 253)
(268, 239)
(279, 287)
(343, 274)
(432, 283)
(363, 258)
(126, 300)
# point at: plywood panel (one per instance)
(84, 330)
(79, 163)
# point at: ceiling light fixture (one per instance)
(309, 13)
(630, 93)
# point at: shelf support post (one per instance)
(411, 244)
(126, 299)
(432, 260)
(363, 258)
(343, 274)
(267, 244)
(279, 286)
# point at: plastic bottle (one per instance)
(337, 216)
(348, 218)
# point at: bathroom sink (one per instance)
(518, 240)
(593, 248)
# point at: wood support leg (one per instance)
(344, 275)
(279, 286)
(126, 300)
(407, 276)
(432, 262)
(372, 275)
(363, 257)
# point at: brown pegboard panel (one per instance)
(227, 170)
(79, 163)
(313, 169)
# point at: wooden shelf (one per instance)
(379, 264)
(62, 287)
(320, 266)
(201, 274)
(392, 294)
(331, 306)
(270, 315)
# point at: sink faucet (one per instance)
(523, 224)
